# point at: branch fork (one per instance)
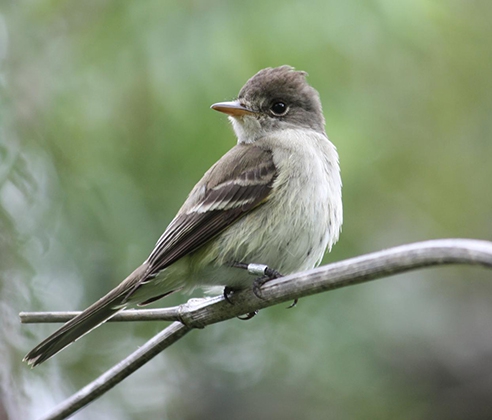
(198, 313)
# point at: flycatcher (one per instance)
(274, 199)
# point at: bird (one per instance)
(273, 200)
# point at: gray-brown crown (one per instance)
(272, 85)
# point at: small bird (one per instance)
(274, 199)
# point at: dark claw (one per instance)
(260, 281)
(228, 292)
(248, 316)
(270, 274)
(293, 304)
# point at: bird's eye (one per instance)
(279, 109)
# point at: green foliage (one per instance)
(104, 129)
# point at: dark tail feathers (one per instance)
(92, 317)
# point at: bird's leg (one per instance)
(260, 281)
(263, 271)
(260, 270)
(265, 274)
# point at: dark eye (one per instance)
(279, 108)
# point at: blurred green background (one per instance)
(104, 128)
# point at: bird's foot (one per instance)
(228, 292)
(265, 274)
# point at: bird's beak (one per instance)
(233, 108)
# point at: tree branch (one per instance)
(198, 313)
(117, 373)
(163, 314)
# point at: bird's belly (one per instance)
(288, 244)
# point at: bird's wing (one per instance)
(243, 181)
(235, 185)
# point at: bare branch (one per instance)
(163, 314)
(198, 313)
(119, 372)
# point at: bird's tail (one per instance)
(92, 317)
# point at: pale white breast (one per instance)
(310, 187)
(302, 218)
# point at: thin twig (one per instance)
(199, 313)
(116, 374)
(163, 314)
